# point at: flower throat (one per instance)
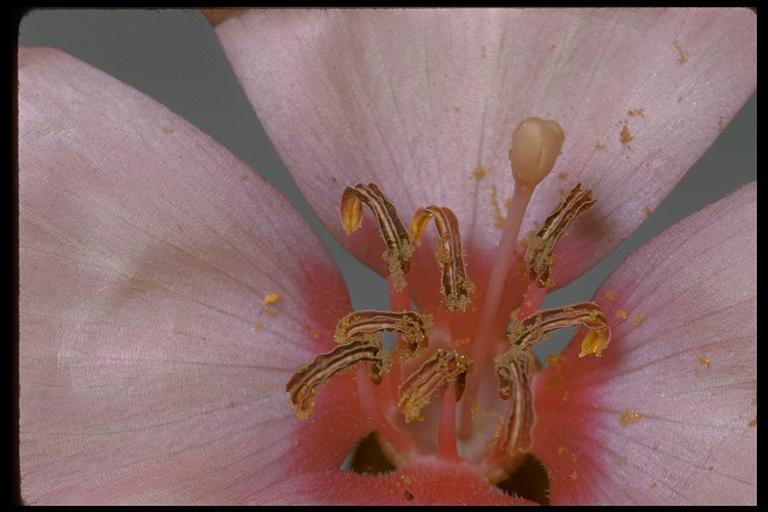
(483, 412)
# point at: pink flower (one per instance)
(168, 295)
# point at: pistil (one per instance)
(536, 145)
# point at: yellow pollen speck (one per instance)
(625, 137)
(621, 461)
(599, 146)
(562, 175)
(271, 298)
(621, 314)
(679, 99)
(555, 359)
(498, 218)
(752, 423)
(167, 129)
(258, 326)
(574, 475)
(574, 458)
(653, 486)
(721, 124)
(638, 319)
(244, 177)
(479, 172)
(705, 361)
(647, 210)
(682, 55)
(456, 109)
(560, 450)
(636, 112)
(611, 295)
(628, 417)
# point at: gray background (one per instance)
(174, 57)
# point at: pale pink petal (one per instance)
(668, 414)
(429, 482)
(417, 100)
(150, 369)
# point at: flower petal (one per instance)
(419, 100)
(667, 415)
(428, 482)
(153, 358)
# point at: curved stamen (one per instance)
(442, 368)
(541, 244)
(399, 247)
(303, 384)
(455, 284)
(531, 330)
(513, 369)
(410, 325)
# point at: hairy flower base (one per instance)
(491, 429)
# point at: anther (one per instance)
(410, 325)
(541, 244)
(456, 286)
(531, 330)
(303, 384)
(442, 368)
(536, 144)
(513, 368)
(399, 247)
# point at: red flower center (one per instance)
(485, 413)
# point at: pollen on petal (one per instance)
(628, 417)
(638, 319)
(479, 172)
(704, 361)
(271, 298)
(621, 314)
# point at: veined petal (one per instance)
(424, 102)
(167, 294)
(668, 414)
(421, 483)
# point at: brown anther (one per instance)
(541, 244)
(455, 284)
(442, 367)
(513, 368)
(531, 330)
(399, 247)
(412, 327)
(303, 384)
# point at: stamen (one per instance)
(531, 330)
(410, 325)
(513, 369)
(455, 284)
(303, 384)
(442, 368)
(399, 247)
(541, 244)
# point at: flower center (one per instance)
(485, 415)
